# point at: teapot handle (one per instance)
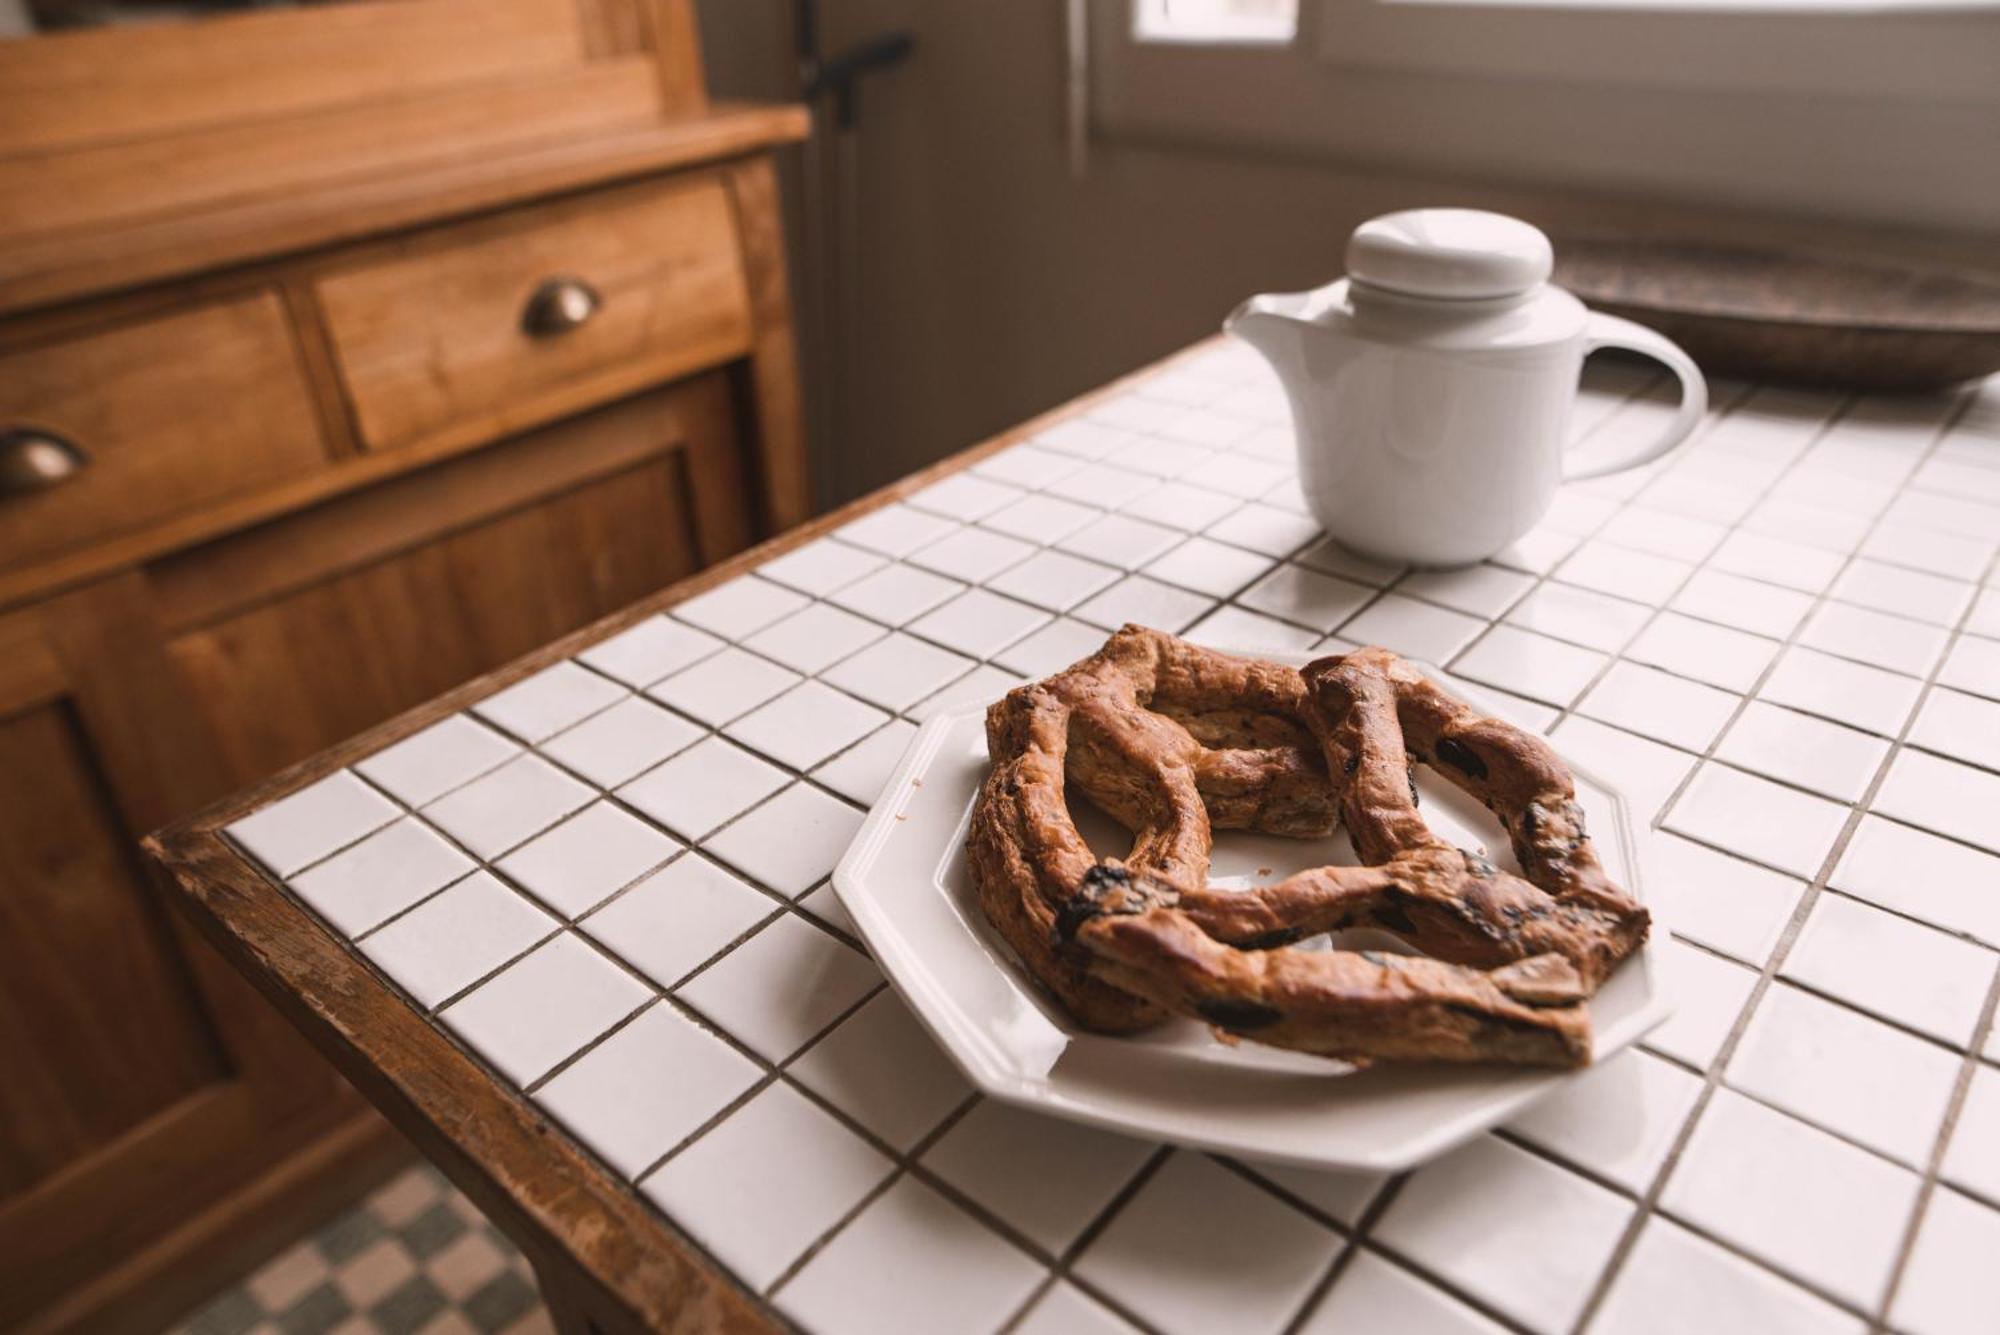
(1608, 331)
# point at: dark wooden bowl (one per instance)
(1773, 315)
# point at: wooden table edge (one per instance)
(603, 1255)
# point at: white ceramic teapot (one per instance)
(1431, 387)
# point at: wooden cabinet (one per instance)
(331, 469)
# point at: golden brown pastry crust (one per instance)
(1175, 741)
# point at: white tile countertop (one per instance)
(609, 881)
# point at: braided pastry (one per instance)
(1175, 741)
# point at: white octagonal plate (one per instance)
(906, 883)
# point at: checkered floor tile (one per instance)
(414, 1257)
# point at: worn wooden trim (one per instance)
(94, 260)
(581, 1224)
(669, 28)
(779, 429)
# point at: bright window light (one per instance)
(1246, 21)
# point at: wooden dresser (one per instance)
(345, 353)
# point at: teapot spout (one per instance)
(1271, 324)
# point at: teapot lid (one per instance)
(1465, 254)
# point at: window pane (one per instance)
(1215, 20)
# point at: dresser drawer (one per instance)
(464, 332)
(168, 414)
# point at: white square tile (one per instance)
(427, 764)
(1682, 537)
(1973, 665)
(451, 941)
(1054, 580)
(1530, 664)
(1944, 796)
(1210, 567)
(739, 606)
(1182, 506)
(1045, 1177)
(964, 496)
(1376, 1295)
(1607, 568)
(1215, 430)
(1985, 616)
(1869, 698)
(981, 687)
(1026, 466)
(813, 637)
(510, 806)
(1765, 822)
(677, 917)
(781, 987)
(1509, 1228)
(1577, 511)
(643, 653)
(723, 686)
(703, 786)
(1793, 565)
(791, 842)
(1926, 549)
(1198, 1249)
(1159, 457)
(1330, 558)
(1950, 514)
(1746, 604)
(1483, 590)
(1809, 1204)
(1718, 655)
(1306, 597)
(1145, 601)
(1103, 485)
(1233, 628)
(1843, 1071)
(1972, 1160)
(1234, 475)
(383, 874)
(1121, 541)
(824, 905)
(1895, 968)
(894, 530)
(1581, 616)
(542, 705)
(1676, 1281)
(1645, 771)
(896, 594)
(897, 672)
(1537, 551)
(1618, 1118)
(1961, 726)
(1064, 1310)
(1709, 993)
(1723, 902)
(627, 739)
(860, 772)
(1659, 705)
(1955, 886)
(1085, 437)
(821, 566)
(1264, 528)
(977, 623)
(1893, 642)
(543, 1007)
(1947, 1288)
(881, 1068)
(647, 1087)
(296, 831)
(1809, 752)
(807, 724)
(972, 554)
(1051, 649)
(1815, 525)
(1910, 593)
(581, 861)
(860, 1283)
(1335, 1193)
(1040, 519)
(767, 1181)
(1413, 629)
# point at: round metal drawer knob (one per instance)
(34, 460)
(559, 305)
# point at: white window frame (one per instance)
(1843, 109)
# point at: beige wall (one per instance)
(993, 285)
